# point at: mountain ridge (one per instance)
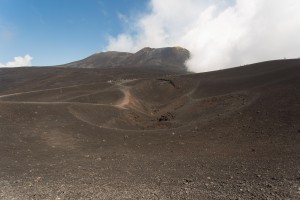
(168, 58)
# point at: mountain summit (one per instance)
(168, 58)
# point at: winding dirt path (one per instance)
(123, 103)
(126, 99)
(51, 89)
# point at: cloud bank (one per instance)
(18, 62)
(219, 34)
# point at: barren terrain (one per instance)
(149, 134)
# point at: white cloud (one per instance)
(18, 62)
(219, 34)
(122, 17)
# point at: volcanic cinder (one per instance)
(138, 126)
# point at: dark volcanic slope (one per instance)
(169, 58)
(13, 80)
(101, 60)
(102, 134)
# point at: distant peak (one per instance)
(146, 49)
(167, 58)
(180, 48)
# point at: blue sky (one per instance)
(218, 33)
(61, 31)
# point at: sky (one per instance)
(54, 32)
(219, 33)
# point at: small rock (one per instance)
(187, 181)
(269, 185)
(38, 179)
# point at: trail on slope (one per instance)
(51, 89)
(123, 103)
(126, 99)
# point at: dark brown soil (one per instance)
(137, 134)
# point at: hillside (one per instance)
(115, 133)
(169, 58)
